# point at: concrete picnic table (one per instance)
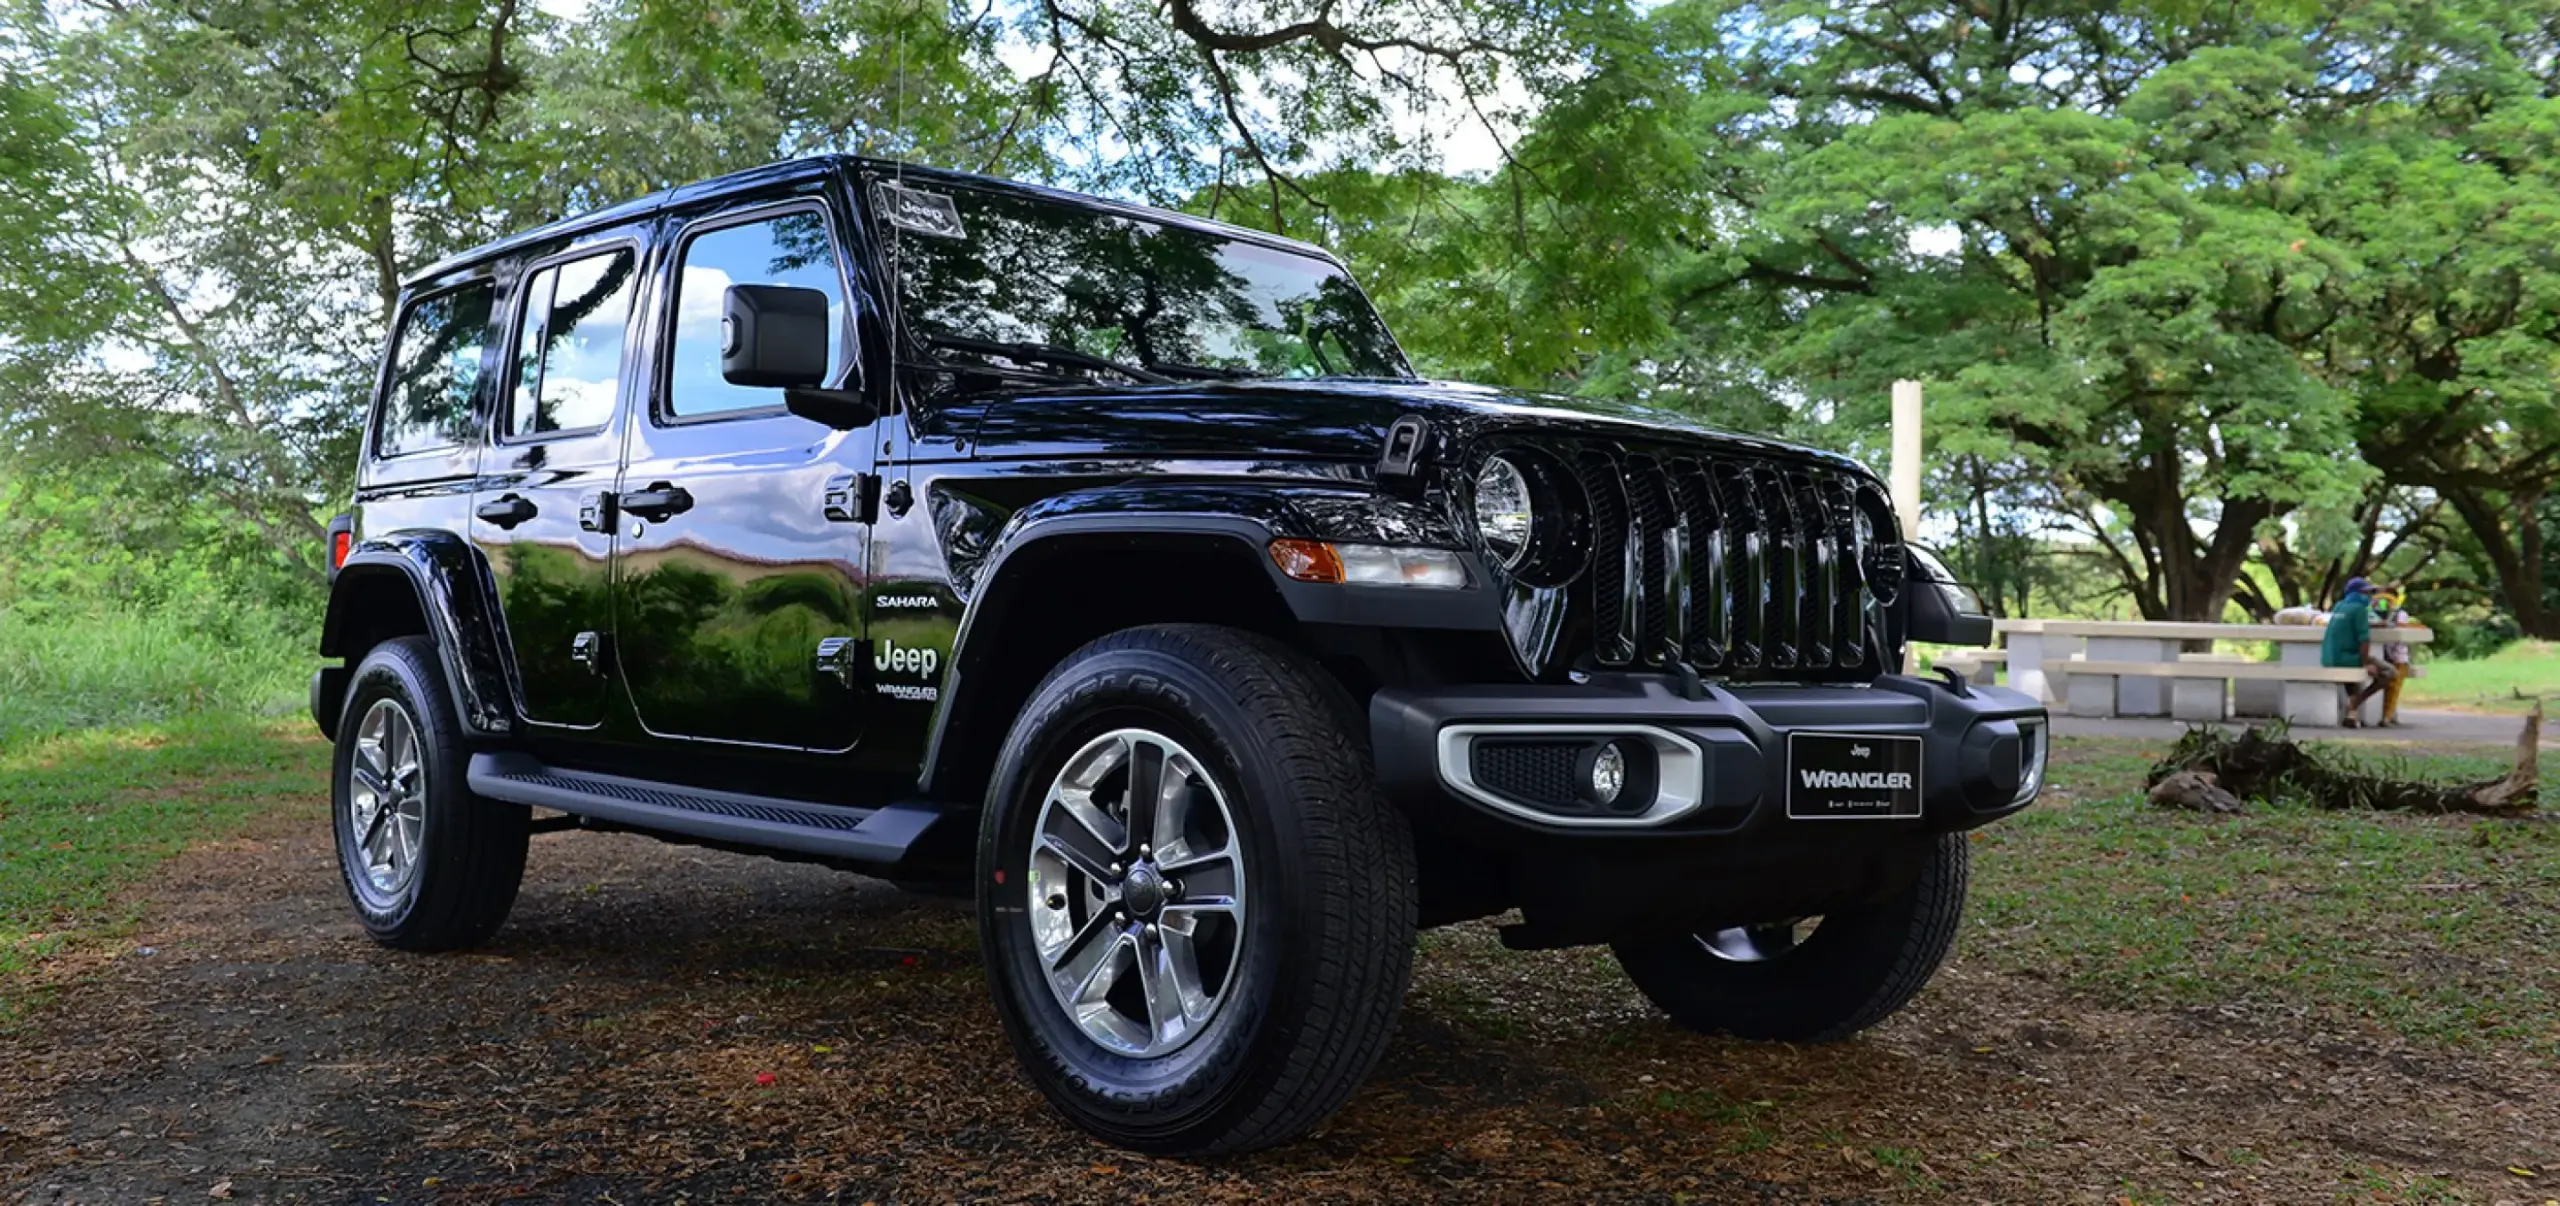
(2042, 651)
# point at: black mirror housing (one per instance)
(1943, 610)
(773, 336)
(842, 409)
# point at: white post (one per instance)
(1905, 470)
(1904, 475)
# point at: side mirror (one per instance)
(1943, 609)
(842, 409)
(773, 335)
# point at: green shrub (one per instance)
(62, 670)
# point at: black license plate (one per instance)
(1838, 776)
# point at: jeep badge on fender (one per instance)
(892, 659)
(1211, 650)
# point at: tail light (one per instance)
(342, 540)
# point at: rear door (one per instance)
(738, 612)
(543, 504)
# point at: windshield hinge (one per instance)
(1408, 443)
(853, 498)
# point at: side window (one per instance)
(787, 249)
(569, 345)
(435, 368)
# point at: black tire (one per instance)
(1319, 969)
(468, 852)
(1855, 969)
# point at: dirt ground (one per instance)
(662, 1024)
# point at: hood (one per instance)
(1331, 419)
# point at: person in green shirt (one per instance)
(2349, 644)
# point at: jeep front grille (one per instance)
(1744, 569)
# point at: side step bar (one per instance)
(873, 839)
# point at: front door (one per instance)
(538, 508)
(738, 611)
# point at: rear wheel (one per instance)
(1197, 908)
(1812, 979)
(428, 865)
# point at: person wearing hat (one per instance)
(2348, 644)
(2390, 610)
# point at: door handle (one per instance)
(506, 510)
(657, 503)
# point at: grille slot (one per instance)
(1613, 637)
(1749, 568)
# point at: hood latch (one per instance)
(1408, 445)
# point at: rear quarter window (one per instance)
(435, 371)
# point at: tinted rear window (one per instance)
(569, 348)
(435, 369)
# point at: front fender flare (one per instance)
(1247, 517)
(457, 600)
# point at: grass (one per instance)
(117, 669)
(2506, 681)
(2445, 929)
(84, 816)
(2440, 928)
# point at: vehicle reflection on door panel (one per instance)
(731, 578)
(544, 493)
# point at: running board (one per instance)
(875, 839)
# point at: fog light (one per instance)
(2033, 749)
(1608, 775)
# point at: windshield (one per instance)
(1023, 284)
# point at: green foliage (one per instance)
(62, 671)
(2225, 302)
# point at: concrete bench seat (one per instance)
(2311, 695)
(2045, 655)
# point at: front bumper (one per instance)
(1723, 849)
(1724, 756)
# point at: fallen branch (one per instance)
(2212, 771)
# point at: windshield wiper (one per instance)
(1206, 372)
(1155, 373)
(1049, 353)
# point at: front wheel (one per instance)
(1810, 980)
(1197, 908)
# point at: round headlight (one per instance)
(1503, 512)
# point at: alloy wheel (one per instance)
(386, 802)
(1137, 886)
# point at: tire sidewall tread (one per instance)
(1329, 872)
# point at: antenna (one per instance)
(898, 113)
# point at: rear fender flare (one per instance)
(458, 601)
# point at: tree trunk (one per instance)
(2515, 553)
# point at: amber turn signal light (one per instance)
(1368, 564)
(1306, 560)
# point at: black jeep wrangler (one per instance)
(1111, 566)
